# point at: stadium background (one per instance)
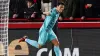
(78, 34)
(81, 36)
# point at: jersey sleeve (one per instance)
(53, 13)
(52, 17)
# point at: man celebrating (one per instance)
(46, 33)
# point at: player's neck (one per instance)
(57, 10)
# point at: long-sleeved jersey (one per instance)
(50, 20)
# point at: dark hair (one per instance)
(60, 3)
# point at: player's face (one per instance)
(60, 8)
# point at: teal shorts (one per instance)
(46, 36)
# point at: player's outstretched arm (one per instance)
(52, 16)
(46, 13)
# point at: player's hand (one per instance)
(46, 13)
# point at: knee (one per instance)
(56, 44)
(40, 46)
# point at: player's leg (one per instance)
(43, 36)
(54, 40)
(29, 41)
(56, 47)
(38, 44)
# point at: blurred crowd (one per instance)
(33, 9)
(28, 9)
(82, 9)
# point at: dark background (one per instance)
(87, 40)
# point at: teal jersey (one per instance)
(50, 20)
